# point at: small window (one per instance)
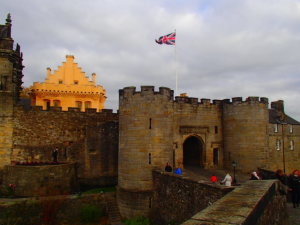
(292, 145)
(75, 81)
(60, 81)
(149, 158)
(291, 128)
(47, 104)
(216, 129)
(56, 103)
(78, 104)
(276, 128)
(150, 123)
(87, 105)
(278, 145)
(3, 83)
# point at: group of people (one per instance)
(227, 181)
(291, 185)
(169, 168)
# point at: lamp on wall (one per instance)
(234, 164)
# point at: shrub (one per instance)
(90, 214)
(137, 221)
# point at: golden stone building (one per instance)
(68, 87)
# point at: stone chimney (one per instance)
(278, 105)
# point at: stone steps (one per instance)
(112, 209)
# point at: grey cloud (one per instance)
(225, 48)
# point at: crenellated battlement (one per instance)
(248, 100)
(146, 90)
(70, 109)
(183, 99)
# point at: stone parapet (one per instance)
(177, 197)
(254, 203)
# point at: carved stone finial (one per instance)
(18, 48)
(8, 19)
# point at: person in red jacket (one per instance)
(214, 178)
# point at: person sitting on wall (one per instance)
(55, 154)
(254, 176)
(168, 168)
(178, 170)
(213, 178)
(227, 180)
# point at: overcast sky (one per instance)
(225, 48)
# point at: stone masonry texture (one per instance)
(254, 203)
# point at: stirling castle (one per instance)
(152, 127)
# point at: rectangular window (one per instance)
(278, 145)
(60, 81)
(149, 158)
(78, 104)
(3, 83)
(276, 128)
(87, 105)
(150, 123)
(216, 129)
(56, 103)
(291, 128)
(292, 145)
(75, 81)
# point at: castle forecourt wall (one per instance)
(41, 180)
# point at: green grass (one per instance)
(100, 190)
(90, 214)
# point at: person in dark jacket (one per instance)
(282, 177)
(168, 168)
(294, 184)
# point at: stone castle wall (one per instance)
(201, 119)
(146, 137)
(253, 203)
(177, 198)
(286, 155)
(6, 111)
(88, 138)
(245, 126)
(41, 180)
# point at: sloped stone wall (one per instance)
(177, 198)
(254, 203)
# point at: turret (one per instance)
(10, 86)
(245, 132)
(145, 141)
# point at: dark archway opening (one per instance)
(193, 152)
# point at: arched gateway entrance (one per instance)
(193, 151)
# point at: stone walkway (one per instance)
(205, 174)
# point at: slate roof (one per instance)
(274, 117)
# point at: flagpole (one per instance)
(176, 74)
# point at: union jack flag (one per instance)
(168, 39)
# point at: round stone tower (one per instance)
(245, 132)
(145, 143)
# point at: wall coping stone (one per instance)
(238, 206)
